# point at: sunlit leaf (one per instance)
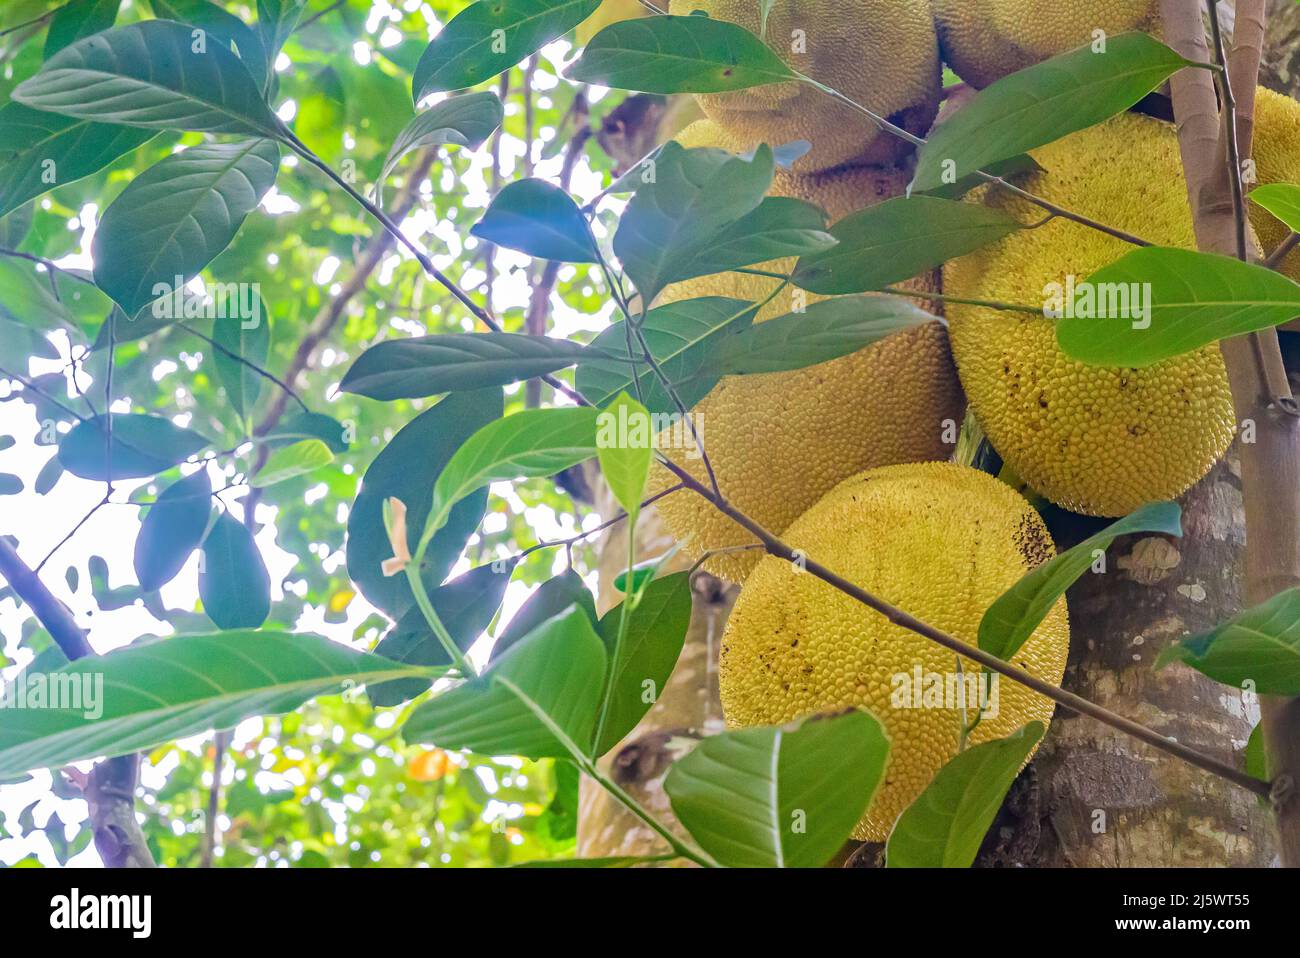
(1257, 649)
(233, 582)
(537, 218)
(460, 120)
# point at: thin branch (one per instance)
(244, 361)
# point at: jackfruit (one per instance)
(938, 540)
(1097, 440)
(607, 14)
(1277, 160)
(881, 54)
(778, 442)
(985, 40)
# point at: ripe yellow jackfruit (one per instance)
(985, 40)
(607, 14)
(1097, 440)
(938, 540)
(880, 53)
(1277, 160)
(778, 442)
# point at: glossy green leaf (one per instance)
(1157, 303)
(78, 19)
(1042, 104)
(1008, 169)
(465, 121)
(431, 365)
(1012, 618)
(173, 219)
(491, 36)
(233, 582)
(1282, 200)
(548, 600)
(173, 688)
(172, 529)
(642, 663)
(1257, 649)
(826, 330)
(290, 462)
(625, 448)
(542, 220)
(780, 226)
(25, 297)
(149, 74)
(142, 445)
(224, 25)
(666, 54)
(780, 796)
(466, 606)
(897, 240)
(276, 20)
(685, 338)
(945, 826)
(407, 470)
(534, 701)
(530, 444)
(242, 338)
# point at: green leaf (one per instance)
(290, 462)
(1011, 620)
(1282, 200)
(148, 74)
(826, 330)
(49, 476)
(465, 605)
(276, 20)
(170, 689)
(233, 582)
(625, 448)
(10, 485)
(1042, 104)
(78, 19)
(311, 425)
(172, 529)
(945, 826)
(530, 444)
(641, 666)
(1158, 303)
(897, 240)
(548, 600)
(247, 338)
(783, 797)
(539, 219)
(695, 195)
(175, 217)
(678, 55)
(407, 470)
(226, 26)
(539, 694)
(25, 297)
(430, 365)
(1257, 755)
(460, 120)
(685, 339)
(780, 226)
(1007, 169)
(489, 37)
(142, 446)
(1260, 646)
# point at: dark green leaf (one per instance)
(174, 218)
(149, 74)
(642, 664)
(460, 120)
(555, 672)
(430, 365)
(539, 219)
(407, 470)
(489, 37)
(897, 240)
(1042, 104)
(780, 797)
(172, 529)
(312, 425)
(945, 826)
(1012, 619)
(1257, 649)
(143, 445)
(678, 55)
(78, 19)
(826, 330)
(226, 26)
(465, 606)
(25, 298)
(547, 601)
(1158, 303)
(780, 226)
(247, 338)
(233, 582)
(195, 683)
(1006, 169)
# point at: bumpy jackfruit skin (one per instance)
(938, 540)
(1097, 440)
(985, 40)
(779, 442)
(1277, 160)
(882, 54)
